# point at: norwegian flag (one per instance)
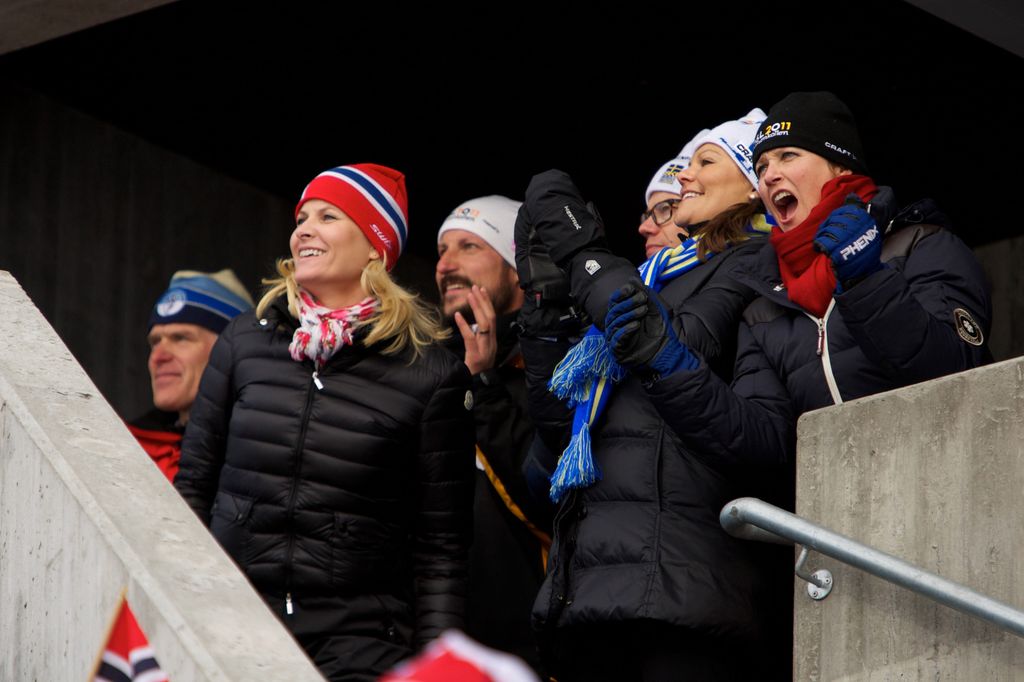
(127, 656)
(454, 657)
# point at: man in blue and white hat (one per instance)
(183, 327)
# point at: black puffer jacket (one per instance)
(644, 542)
(353, 482)
(510, 530)
(925, 315)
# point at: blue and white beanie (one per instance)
(737, 139)
(208, 299)
(665, 180)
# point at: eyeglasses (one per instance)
(661, 212)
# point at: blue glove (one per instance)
(850, 238)
(640, 336)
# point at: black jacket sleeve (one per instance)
(707, 320)
(751, 423)
(443, 530)
(906, 319)
(594, 275)
(204, 443)
(551, 417)
(503, 428)
(752, 420)
(505, 435)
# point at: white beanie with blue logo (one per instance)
(737, 139)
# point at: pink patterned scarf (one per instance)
(323, 331)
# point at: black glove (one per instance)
(538, 275)
(640, 336)
(547, 306)
(561, 217)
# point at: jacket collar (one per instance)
(889, 216)
(759, 270)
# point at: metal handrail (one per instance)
(752, 519)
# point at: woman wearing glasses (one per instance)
(643, 584)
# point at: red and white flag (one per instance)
(127, 656)
(454, 657)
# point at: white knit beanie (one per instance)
(491, 218)
(737, 139)
(665, 179)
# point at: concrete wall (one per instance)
(28, 22)
(933, 474)
(84, 514)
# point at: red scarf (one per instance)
(807, 274)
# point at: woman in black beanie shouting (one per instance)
(857, 296)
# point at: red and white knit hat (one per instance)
(373, 197)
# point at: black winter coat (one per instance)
(506, 560)
(354, 482)
(925, 315)
(644, 542)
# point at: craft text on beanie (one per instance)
(491, 218)
(208, 299)
(737, 139)
(374, 197)
(816, 121)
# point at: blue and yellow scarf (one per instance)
(585, 375)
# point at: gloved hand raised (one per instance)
(560, 216)
(850, 238)
(547, 309)
(640, 335)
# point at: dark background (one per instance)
(466, 103)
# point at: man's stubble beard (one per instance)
(501, 300)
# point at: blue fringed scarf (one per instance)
(585, 375)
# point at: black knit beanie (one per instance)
(816, 121)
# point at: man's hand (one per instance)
(481, 343)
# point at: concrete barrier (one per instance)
(934, 474)
(84, 515)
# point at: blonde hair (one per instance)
(401, 317)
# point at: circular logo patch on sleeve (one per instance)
(967, 328)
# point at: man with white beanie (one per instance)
(480, 296)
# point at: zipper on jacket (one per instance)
(299, 448)
(316, 380)
(826, 361)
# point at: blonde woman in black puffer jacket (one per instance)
(330, 448)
